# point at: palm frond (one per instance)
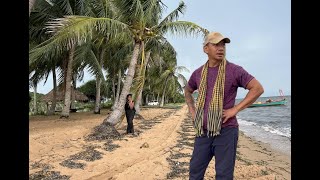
(80, 75)
(81, 54)
(138, 83)
(173, 16)
(83, 7)
(165, 74)
(122, 52)
(182, 78)
(65, 6)
(131, 11)
(96, 69)
(153, 11)
(180, 69)
(86, 55)
(138, 11)
(73, 30)
(42, 13)
(40, 72)
(60, 76)
(79, 27)
(101, 8)
(42, 68)
(182, 28)
(160, 45)
(32, 44)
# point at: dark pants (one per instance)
(130, 116)
(223, 147)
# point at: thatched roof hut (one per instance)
(75, 94)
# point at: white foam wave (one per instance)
(280, 131)
(243, 122)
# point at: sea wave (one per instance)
(283, 131)
(244, 122)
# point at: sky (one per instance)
(260, 34)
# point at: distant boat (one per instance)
(269, 103)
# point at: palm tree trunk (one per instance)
(164, 92)
(137, 103)
(143, 74)
(113, 93)
(97, 103)
(73, 93)
(54, 100)
(98, 86)
(115, 116)
(147, 99)
(118, 87)
(31, 4)
(66, 108)
(35, 109)
(116, 94)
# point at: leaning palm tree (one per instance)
(138, 19)
(143, 17)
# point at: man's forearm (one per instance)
(250, 98)
(190, 101)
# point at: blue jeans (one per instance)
(223, 147)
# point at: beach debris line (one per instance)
(148, 124)
(44, 166)
(45, 172)
(48, 175)
(90, 154)
(72, 165)
(109, 146)
(107, 131)
(185, 140)
(103, 131)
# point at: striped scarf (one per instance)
(214, 117)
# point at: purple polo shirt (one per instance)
(236, 77)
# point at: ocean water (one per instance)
(271, 124)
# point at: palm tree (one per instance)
(138, 19)
(156, 46)
(140, 79)
(153, 73)
(55, 9)
(171, 75)
(34, 85)
(91, 55)
(142, 14)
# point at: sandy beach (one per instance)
(160, 149)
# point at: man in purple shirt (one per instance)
(217, 128)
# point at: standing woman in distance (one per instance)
(130, 111)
